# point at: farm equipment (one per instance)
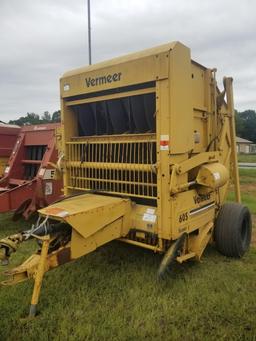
(8, 136)
(149, 152)
(29, 179)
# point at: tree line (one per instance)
(32, 118)
(245, 122)
(246, 125)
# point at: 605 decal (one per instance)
(183, 217)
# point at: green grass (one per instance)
(248, 200)
(247, 176)
(248, 189)
(246, 157)
(113, 294)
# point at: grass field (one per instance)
(246, 157)
(113, 294)
(248, 188)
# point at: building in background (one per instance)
(245, 146)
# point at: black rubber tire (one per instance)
(233, 230)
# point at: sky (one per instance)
(41, 39)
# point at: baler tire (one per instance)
(233, 229)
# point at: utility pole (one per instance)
(89, 32)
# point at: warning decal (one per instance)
(164, 142)
(56, 211)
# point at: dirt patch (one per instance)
(245, 188)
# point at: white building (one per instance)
(243, 145)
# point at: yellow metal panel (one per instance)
(163, 150)
(80, 204)
(181, 110)
(200, 131)
(192, 210)
(142, 70)
(3, 164)
(81, 246)
(198, 87)
(231, 110)
(197, 243)
(165, 48)
(90, 221)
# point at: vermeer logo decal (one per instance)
(103, 79)
(201, 197)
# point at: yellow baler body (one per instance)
(155, 169)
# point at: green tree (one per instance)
(246, 125)
(46, 117)
(239, 124)
(56, 116)
(30, 118)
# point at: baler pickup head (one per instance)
(70, 229)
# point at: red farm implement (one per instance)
(8, 137)
(29, 181)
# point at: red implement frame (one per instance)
(8, 137)
(29, 180)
